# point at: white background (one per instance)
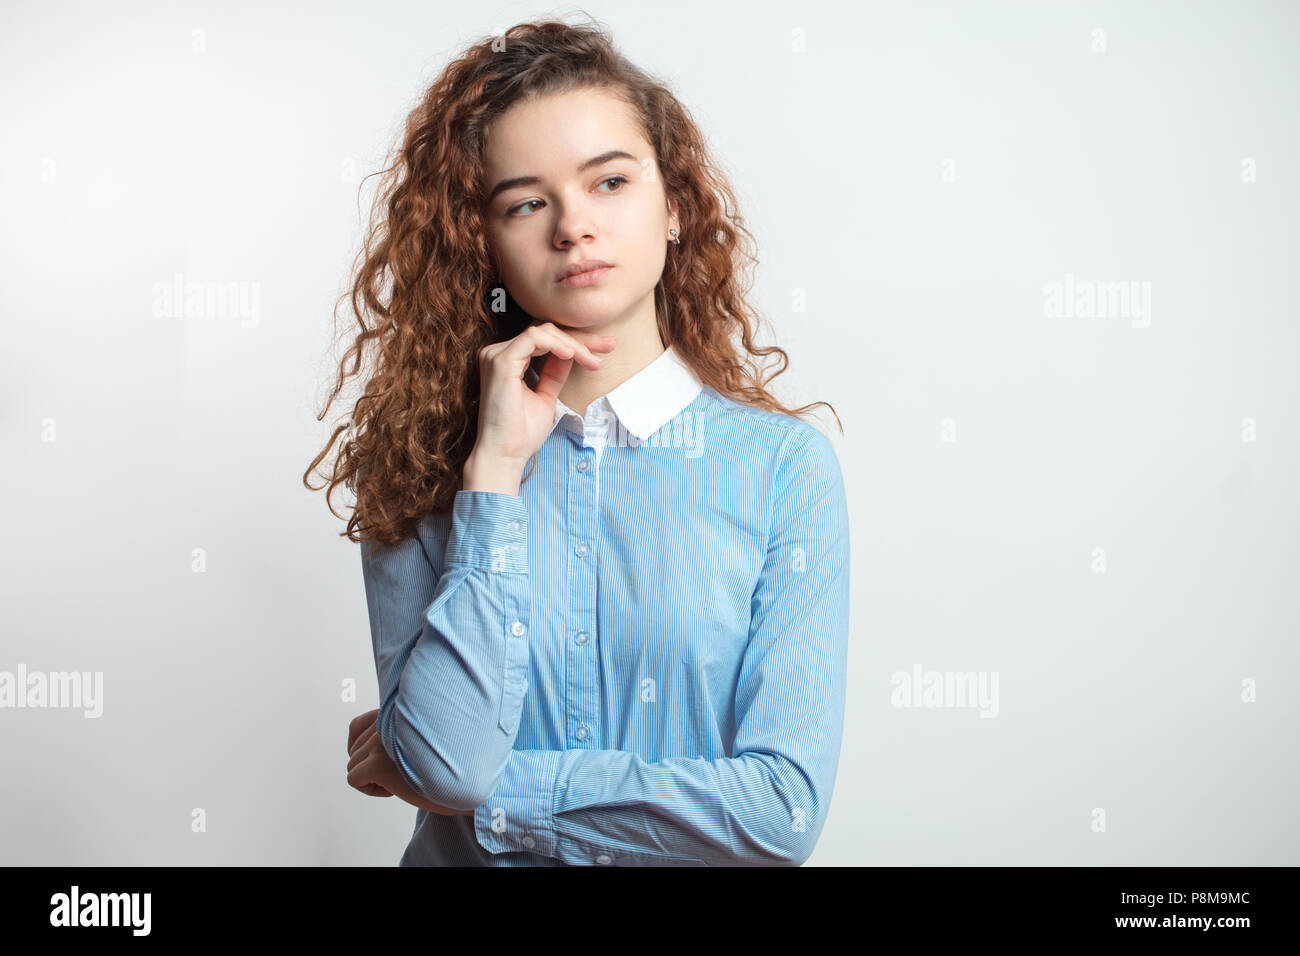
(917, 173)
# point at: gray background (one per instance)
(915, 175)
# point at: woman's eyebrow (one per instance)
(604, 157)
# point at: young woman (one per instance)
(607, 573)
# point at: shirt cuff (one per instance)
(518, 815)
(489, 530)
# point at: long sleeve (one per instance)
(767, 803)
(451, 648)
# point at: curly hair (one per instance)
(426, 277)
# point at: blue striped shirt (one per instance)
(639, 660)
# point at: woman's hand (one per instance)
(514, 419)
(373, 772)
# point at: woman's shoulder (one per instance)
(768, 427)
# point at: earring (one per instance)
(673, 233)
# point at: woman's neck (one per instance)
(639, 344)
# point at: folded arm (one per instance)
(451, 647)
(767, 803)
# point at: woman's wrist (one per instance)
(489, 473)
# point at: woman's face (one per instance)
(570, 178)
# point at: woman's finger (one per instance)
(365, 749)
(359, 774)
(363, 737)
(554, 373)
(358, 724)
(539, 339)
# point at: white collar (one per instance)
(649, 399)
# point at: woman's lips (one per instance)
(585, 278)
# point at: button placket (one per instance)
(581, 675)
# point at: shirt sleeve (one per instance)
(767, 803)
(451, 650)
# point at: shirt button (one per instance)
(517, 628)
(582, 732)
(581, 550)
(580, 638)
(513, 547)
(528, 842)
(584, 464)
(603, 859)
(514, 526)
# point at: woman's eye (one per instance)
(515, 210)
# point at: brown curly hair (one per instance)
(427, 277)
